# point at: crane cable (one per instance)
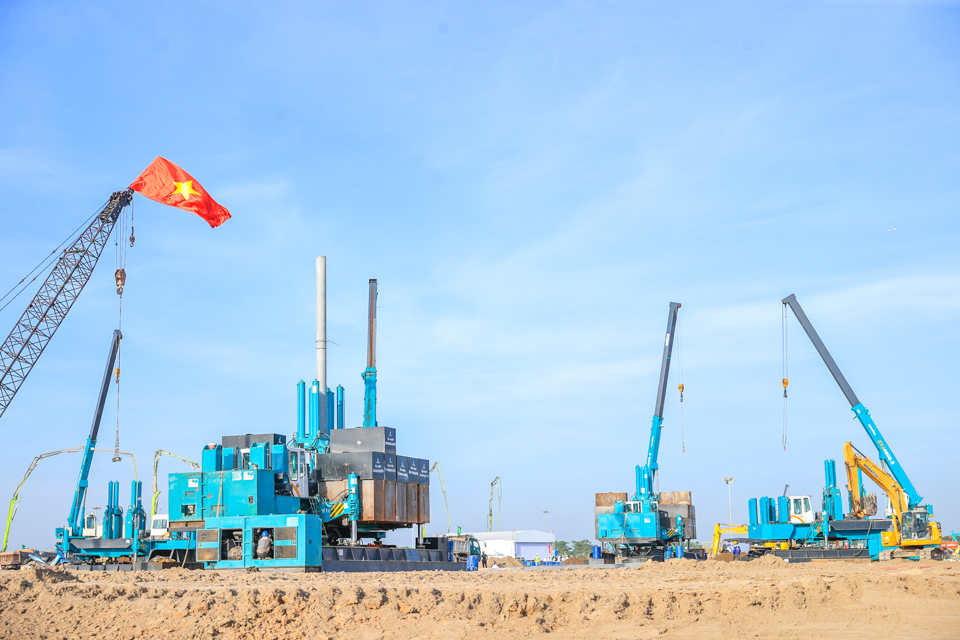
(786, 380)
(45, 263)
(120, 275)
(683, 441)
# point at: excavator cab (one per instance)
(914, 525)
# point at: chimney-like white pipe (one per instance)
(322, 322)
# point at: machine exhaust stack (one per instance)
(370, 374)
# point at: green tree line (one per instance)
(575, 549)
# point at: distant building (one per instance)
(526, 544)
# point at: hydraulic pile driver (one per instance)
(118, 540)
(644, 526)
(310, 502)
(907, 533)
(266, 501)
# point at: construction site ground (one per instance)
(766, 598)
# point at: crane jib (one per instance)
(48, 308)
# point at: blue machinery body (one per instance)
(642, 525)
(832, 531)
(829, 536)
(298, 493)
(120, 538)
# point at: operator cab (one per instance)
(799, 509)
(92, 528)
(633, 506)
(158, 528)
(915, 525)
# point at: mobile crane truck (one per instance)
(647, 527)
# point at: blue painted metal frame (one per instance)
(75, 518)
(308, 541)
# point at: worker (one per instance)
(264, 546)
(736, 552)
(536, 560)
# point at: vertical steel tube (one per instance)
(322, 322)
(331, 408)
(372, 325)
(314, 410)
(301, 411)
(117, 512)
(106, 512)
(339, 406)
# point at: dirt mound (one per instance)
(678, 598)
(48, 575)
(768, 560)
(575, 561)
(505, 561)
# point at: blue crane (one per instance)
(644, 525)
(75, 520)
(647, 474)
(886, 454)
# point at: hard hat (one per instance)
(265, 534)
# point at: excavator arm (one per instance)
(912, 527)
(854, 461)
(726, 528)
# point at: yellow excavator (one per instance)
(912, 528)
(725, 528)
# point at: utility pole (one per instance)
(729, 481)
(544, 519)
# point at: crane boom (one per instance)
(886, 454)
(436, 467)
(653, 451)
(33, 331)
(15, 500)
(496, 483)
(74, 521)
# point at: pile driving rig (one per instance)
(323, 499)
(795, 532)
(650, 523)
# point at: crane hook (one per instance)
(121, 278)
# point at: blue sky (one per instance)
(532, 185)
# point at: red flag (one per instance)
(167, 183)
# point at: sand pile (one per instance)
(682, 598)
(504, 561)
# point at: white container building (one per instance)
(527, 544)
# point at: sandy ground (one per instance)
(677, 599)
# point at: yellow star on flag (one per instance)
(185, 189)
